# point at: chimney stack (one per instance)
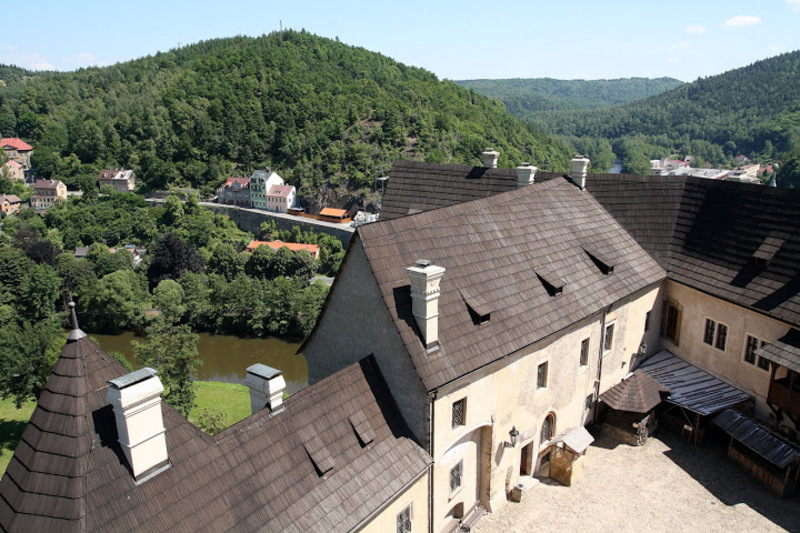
(578, 167)
(136, 399)
(425, 278)
(526, 174)
(266, 388)
(490, 157)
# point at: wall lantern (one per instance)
(642, 348)
(514, 434)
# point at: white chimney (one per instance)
(578, 167)
(526, 173)
(425, 278)
(490, 157)
(266, 388)
(136, 399)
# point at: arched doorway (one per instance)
(546, 434)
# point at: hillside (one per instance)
(321, 113)
(525, 98)
(754, 110)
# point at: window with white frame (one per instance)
(404, 520)
(459, 413)
(541, 376)
(750, 348)
(608, 341)
(456, 473)
(715, 334)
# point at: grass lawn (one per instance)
(230, 398)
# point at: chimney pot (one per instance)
(490, 157)
(136, 399)
(526, 174)
(578, 167)
(425, 278)
(266, 388)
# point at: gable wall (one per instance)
(355, 324)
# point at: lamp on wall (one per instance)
(514, 434)
(642, 348)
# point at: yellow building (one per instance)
(46, 193)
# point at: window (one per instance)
(715, 334)
(608, 342)
(548, 428)
(647, 321)
(541, 376)
(672, 322)
(404, 520)
(459, 412)
(455, 477)
(585, 352)
(750, 348)
(589, 401)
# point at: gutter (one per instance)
(600, 362)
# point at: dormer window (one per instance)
(603, 262)
(763, 256)
(552, 283)
(479, 309)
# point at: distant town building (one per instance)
(235, 191)
(337, 216)
(313, 249)
(18, 150)
(119, 179)
(260, 183)
(12, 170)
(9, 204)
(280, 198)
(46, 193)
(663, 166)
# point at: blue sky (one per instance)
(453, 39)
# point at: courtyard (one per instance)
(665, 485)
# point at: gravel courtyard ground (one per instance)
(665, 485)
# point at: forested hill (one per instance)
(754, 110)
(318, 111)
(524, 98)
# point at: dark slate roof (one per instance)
(772, 448)
(785, 351)
(690, 387)
(414, 186)
(706, 233)
(638, 393)
(492, 250)
(68, 471)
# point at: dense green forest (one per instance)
(194, 276)
(321, 113)
(525, 98)
(754, 110)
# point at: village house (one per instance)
(102, 452)
(46, 193)
(235, 191)
(9, 204)
(261, 182)
(119, 179)
(312, 249)
(281, 198)
(12, 170)
(17, 150)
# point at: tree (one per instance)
(74, 272)
(116, 302)
(788, 175)
(39, 292)
(171, 257)
(168, 297)
(212, 420)
(27, 355)
(172, 350)
(260, 263)
(226, 261)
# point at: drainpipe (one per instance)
(431, 409)
(600, 363)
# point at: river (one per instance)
(226, 358)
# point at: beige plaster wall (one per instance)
(417, 496)
(728, 365)
(505, 394)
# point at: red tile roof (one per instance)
(17, 144)
(281, 191)
(313, 249)
(243, 182)
(12, 163)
